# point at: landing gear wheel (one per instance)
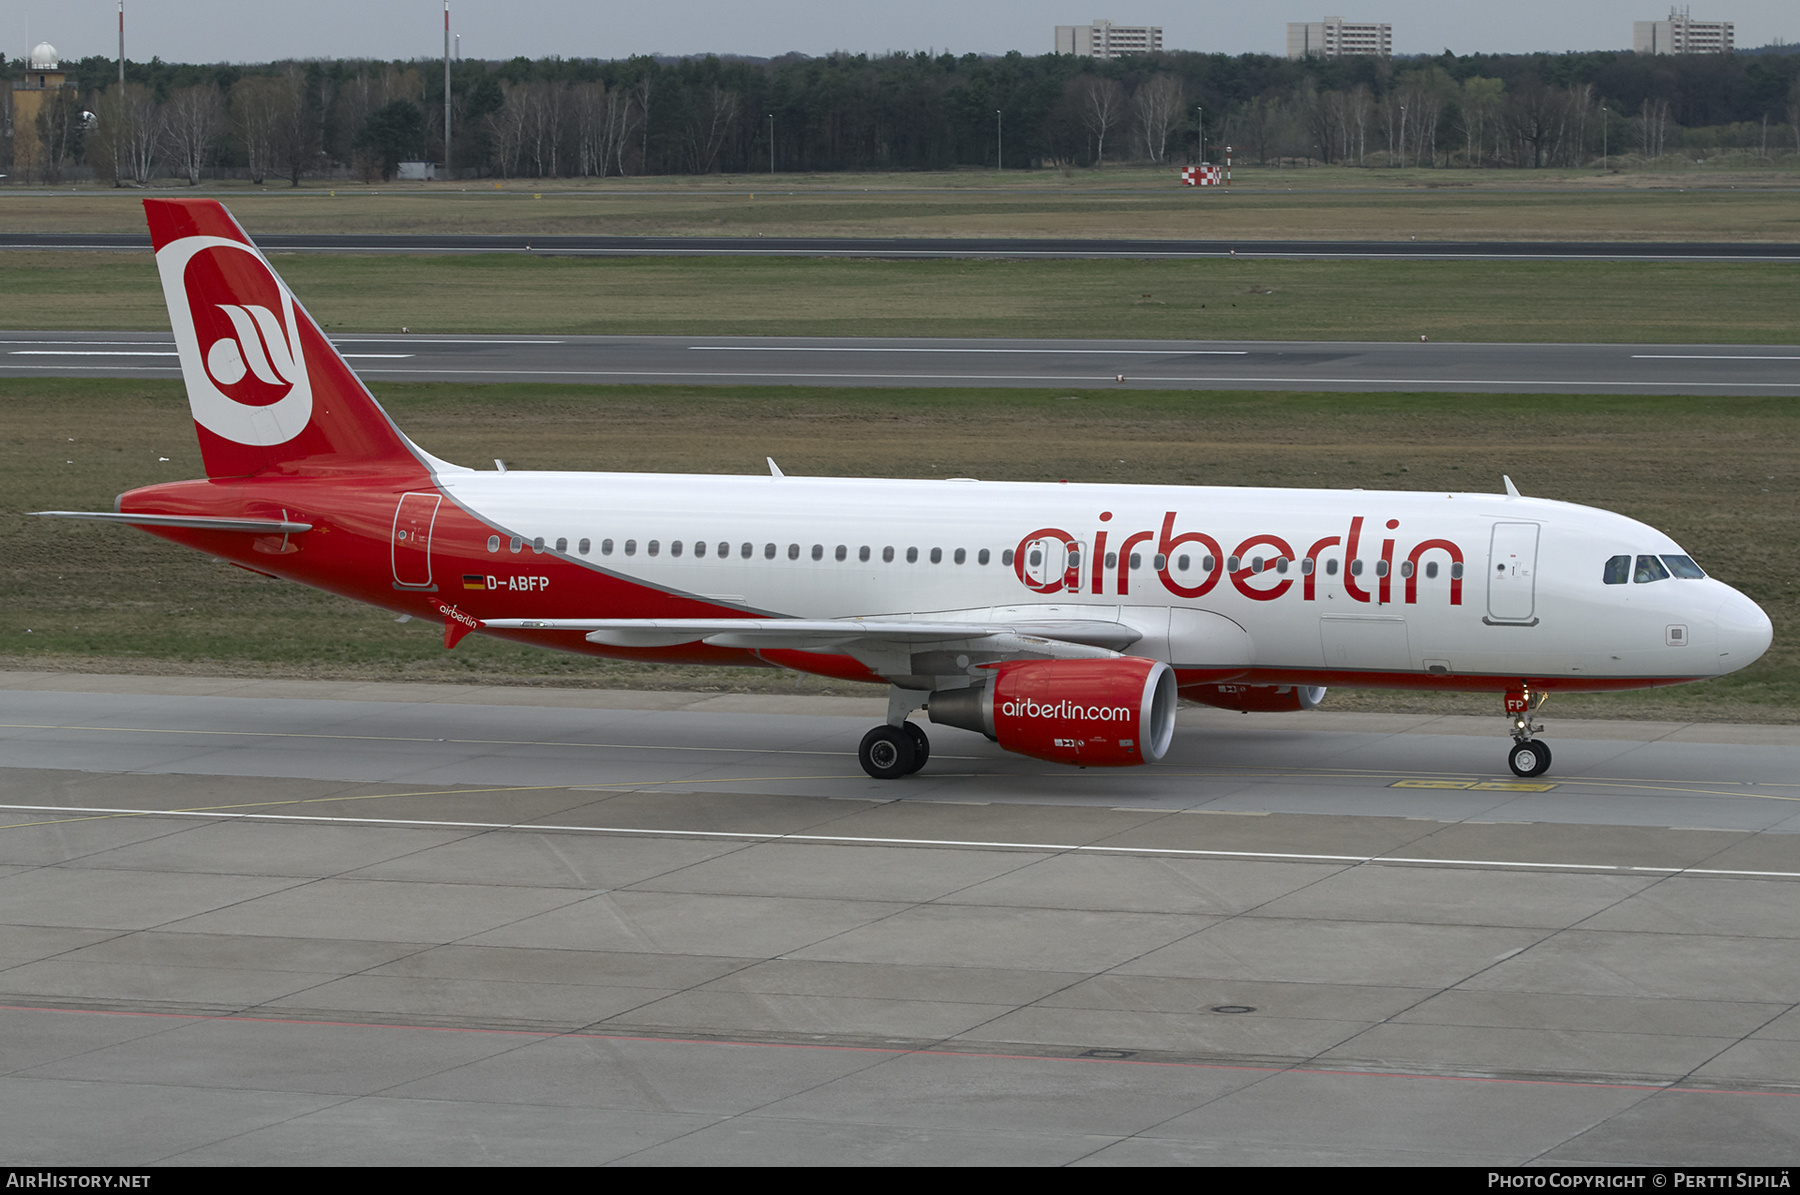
(1530, 758)
(921, 745)
(887, 753)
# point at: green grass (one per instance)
(1740, 201)
(1718, 474)
(1618, 302)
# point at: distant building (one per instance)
(1334, 37)
(1681, 34)
(1103, 39)
(44, 78)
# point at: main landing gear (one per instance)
(1528, 756)
(898, 747)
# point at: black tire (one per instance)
(1529, 759)
(886, 753)
(921, 745)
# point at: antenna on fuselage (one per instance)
(1512, 491)
(774, 469)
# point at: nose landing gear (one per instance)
(1528, 756)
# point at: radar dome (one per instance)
(43, 57)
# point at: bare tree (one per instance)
(715, 111)
(587, 101)
(61, 131)
(1159, 103)
(298, 133)
(508, 126)
(1102, 106)
(193, 119)
(1479, 102)
(1359, 107)
(256, 115)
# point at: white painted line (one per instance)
(433, 340)
(1179, 852)
(84, 353)
(1706, 357)
(777, 348)
(375, 356)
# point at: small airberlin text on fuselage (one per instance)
(1258, 567)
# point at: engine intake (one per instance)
(1094, 713)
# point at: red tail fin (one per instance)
(267, 390)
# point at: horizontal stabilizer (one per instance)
(189, 522)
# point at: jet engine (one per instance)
(1092, 713)
(1264, 699)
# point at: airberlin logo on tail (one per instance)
(238, 337)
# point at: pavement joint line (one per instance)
(915, 1051)
(1245, 773)
(778, 836)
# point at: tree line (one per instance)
(561, 117)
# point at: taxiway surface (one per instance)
(1184, 365)
(258, 922)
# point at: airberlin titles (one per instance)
(1251, 565)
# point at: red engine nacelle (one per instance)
(1262, 699)
(1095, 713)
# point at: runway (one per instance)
(912, 248)
(251, 922)
(1142, 364)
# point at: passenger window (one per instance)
(1112, 560)
(1649, 569)
(1281, 564)
(493, 543)
(583, 546)
(1182, 562)
(1618, 570)
(937, 555)
(862, 553)
(1231, 564)
(537, 545)
(1137, 561)
(606, 547)
(562, 544)
(842, 551)
(1406, 568)
(981, 557)
(1006, 555)
(700, 548)
(1381, 568)
(912, 555)
(887, 555)
(725, 551)
(961, 556)
(674, 548)
(1159, 562)
(1207, 564)
(1331, 567)
(1684, 568)
(653, 547)
(793, 551)
(517, 543)
(768, 551)
(747, 550)
(818, 551)
(1356, 568)
(1035, 559)
(631, 547)
(1431, 568)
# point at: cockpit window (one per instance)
(1649, 568)
(1684, 567)
(1618, 570)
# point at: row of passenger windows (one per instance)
(1619, 569)
(1034, 558)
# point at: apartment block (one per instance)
(1681, 34)
(1103, 39)
(1334, 37)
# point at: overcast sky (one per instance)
(249, 31)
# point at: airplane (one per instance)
(1062, 621)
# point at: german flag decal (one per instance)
(474, 581)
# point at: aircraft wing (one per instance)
(1065, 639)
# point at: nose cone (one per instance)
(1744, 632)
